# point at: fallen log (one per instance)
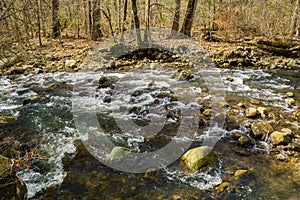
(278, 48)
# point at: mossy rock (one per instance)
(7, 119)
(278, 138)
(119, 153)
(185, 75)
(11, 186)
(199, 157)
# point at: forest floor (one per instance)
(68, 54)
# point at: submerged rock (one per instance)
(244, 141)
(240, 172)
(7, 119)
(222, 187)
(33, 99)
(278, 138)
(196, 158)
(262, 130)
(11, 186)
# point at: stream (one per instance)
(64, 169)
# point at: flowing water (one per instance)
(66, 170)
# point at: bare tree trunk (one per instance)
(189, 17)
(176, 18)
(90, 16)
(96, 28)
(55, 19)
(295, 20)
(38, 6)
(124, 20)
(136, 22)
(108, 17)
(147, 38)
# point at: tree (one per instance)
(147, 37)
(96, 26)
(55, 19)
(136, 23)
(189, 17)
(295, 21)
(124, 20)
(175, 24)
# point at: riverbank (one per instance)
(68, 54)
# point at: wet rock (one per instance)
(198, 157)
(32, 99)
(290, 101)
(280, 138)
(262, 112)
(105, 82)
(251, 112)
(289, 94)
(295, 146)
(281, 157)
(120, 152)
(255, 101)
(229, 79)
(223, 104)
(185, 75)
(236, 135)
(244, 141)
(222, 187)
(176, 197)
(207, 112)
(241, 105)
(240, 173)
(11, 186)
(261, 131)
(7, 119)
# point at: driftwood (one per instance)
(286, 49)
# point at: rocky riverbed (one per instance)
(257, 153)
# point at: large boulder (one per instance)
(198, 157)
(11, 186)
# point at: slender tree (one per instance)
(189, 17)
(136, 22)
(147, 38)
(176, 18)
(295, 21)
(55, 19)
(124, 20)
(96, 26)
